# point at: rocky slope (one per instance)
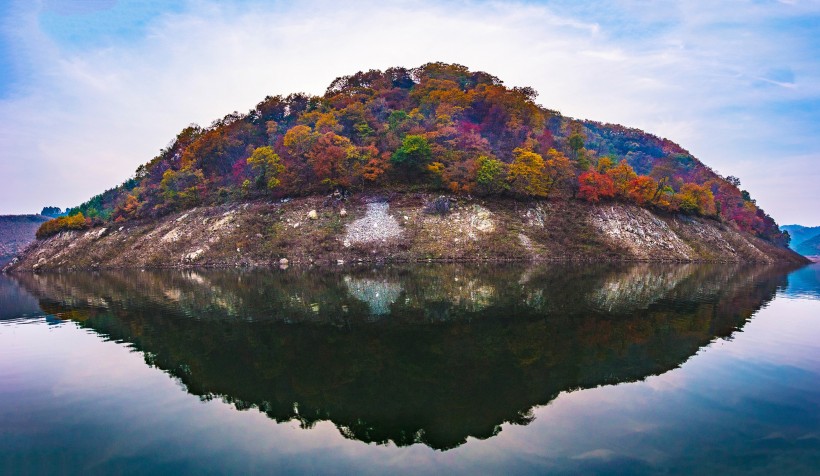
(398, 228)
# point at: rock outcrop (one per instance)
(313, 230)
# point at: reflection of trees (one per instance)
(458, 350)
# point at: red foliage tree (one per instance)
(594, 186)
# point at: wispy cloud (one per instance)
(718, 78)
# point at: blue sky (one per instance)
(90, 89)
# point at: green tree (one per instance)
(413, 155)
(491, 175)
(576, 144)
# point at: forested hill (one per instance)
(435, 127)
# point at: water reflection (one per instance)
(422, 354)
(805, 283)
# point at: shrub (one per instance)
(52, 227)
(439, 206)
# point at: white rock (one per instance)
(342, 212)
(313, 215)
(194, 255)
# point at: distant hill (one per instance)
(16, 232)
(804, 239)
(810, 247)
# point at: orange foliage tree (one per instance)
(594, 186)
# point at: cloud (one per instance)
(706, 76)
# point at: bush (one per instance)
(52, 227)
(439, 206)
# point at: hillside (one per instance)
(17, 232)
(436, 129)
(400, 227)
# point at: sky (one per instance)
(91, 89)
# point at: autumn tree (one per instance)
(299, 140)
(559, 172)
(604, 163)
(266, 166)
(694, 198)
(526, 174)
(621, 175)
(331, 158)
(72, 222)
(642, 189)
(595, 186)
(183, 188)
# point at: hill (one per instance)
(804, 239)
(810, 247)
(16, 233)
(436, 129)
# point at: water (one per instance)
(639, 369)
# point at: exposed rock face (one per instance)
(376, 225)
(264, 234)
(642, 233)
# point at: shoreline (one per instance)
(366, 229)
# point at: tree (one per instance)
(526, 174)
(74, 222)
(604, 163)
(331, 158)
(559, 172)
(267, 166)
(694, 198)
(576, 141)
(51, 212)
(621, 175)
(413, 155)
(491, 175)
(594, 186)
(642, 189)
(184, 188)
(298, 140)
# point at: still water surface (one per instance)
(420, 369)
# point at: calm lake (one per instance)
(487, 368)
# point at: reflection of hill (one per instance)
(805, 282)
(15, 303)
(455, 351)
